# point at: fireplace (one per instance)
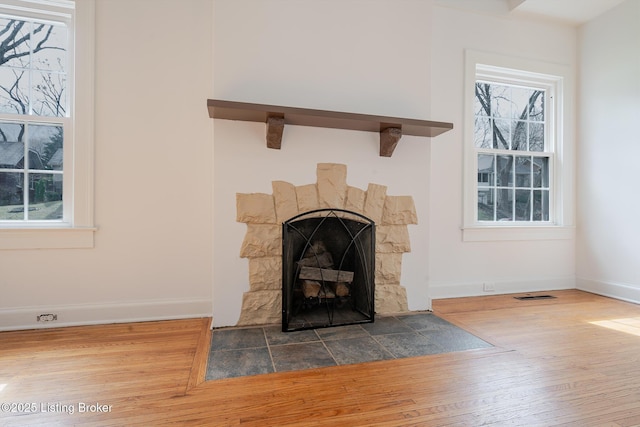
(328, 258)
(381, 219)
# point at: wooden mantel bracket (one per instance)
(391, 129)
(389, 138)
(275, 127)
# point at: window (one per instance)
(514, 153)
(34, 118)
(517, 165)
(46, 123)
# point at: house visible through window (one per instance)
(47, 83)
(34, 118)
(518, 149)
(513, 150)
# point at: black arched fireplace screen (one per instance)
(328, 269)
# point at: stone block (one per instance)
(391, 299)
(332, 185)
(255, 208)
(399, 210)
(265, 273)
(388, 268)
(261, 308)
(307, 196)
(285, 199)
(374, 202)
(355, 200)
(392, 238)
(262, 240)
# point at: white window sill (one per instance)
(47, 238)
(513, 232)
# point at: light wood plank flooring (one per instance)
(569, 361)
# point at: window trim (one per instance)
(560, 225)
(78, 231)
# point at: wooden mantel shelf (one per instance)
(391, 129)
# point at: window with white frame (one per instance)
(46, 123)
(34, 117)
(517, 173)
(514, 151)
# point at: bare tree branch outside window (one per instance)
(32, 84)
(510, 122)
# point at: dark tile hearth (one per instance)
(237, 352)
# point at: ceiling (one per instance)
(574, 12)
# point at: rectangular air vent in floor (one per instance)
(534, 297)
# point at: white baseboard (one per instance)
(93, 314)
(621, 291)
(440, 290)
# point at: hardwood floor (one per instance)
(569, 361)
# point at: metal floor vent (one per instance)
(534, 297)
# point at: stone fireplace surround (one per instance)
(262, 245)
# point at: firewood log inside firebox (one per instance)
(314, 289)
(324, 260)
(317, 255)
(341, 289)
(316, 268)
(326, 275)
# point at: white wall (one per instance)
(157, 152)
(378, 57)
(363, 56)
(460, 268)
(153, 201)
(358, 56)
(608, 203)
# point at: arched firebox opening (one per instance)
(328, 269)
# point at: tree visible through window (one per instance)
(34, 111)
(512, 152)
